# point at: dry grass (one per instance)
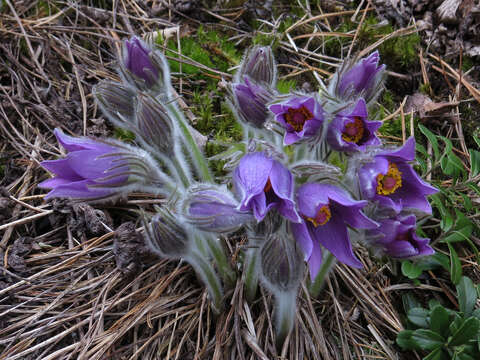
(62, 295)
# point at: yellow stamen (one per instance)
(322, 217)
(298, 117)
(353, 131)
(389, 183)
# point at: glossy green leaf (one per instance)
(467, 295)
(432, 138)
(436, 354)
(411, 270)
(466, 332)
(439, 320)
(419, 317)
(427, 339)
(455, 265)
(474, 162)
(405, 341)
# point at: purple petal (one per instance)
(367, 176)
(258, 204)
(315, 260)
(251, 175)
(54, 182)
(406, 152)
(302, 236)
(282, 184)
(79, 143)
(62, 168)
(78, 189)
(87, 164)
(334, 236)
(309, 197)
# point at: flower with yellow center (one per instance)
(322, 216)
(389, 183)
(354, 131)
(297, 117)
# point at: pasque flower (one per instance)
(214, 209)
(137, 60)
(326, 211)
(362, 78)
(259, 65)
(351, 131)
(264, 183)
(87, 171)
(301, 117)
(396, 237)
(393, 183)
(250, 101)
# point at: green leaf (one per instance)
(439, 320)
(459, 235)
(431, 138)
(467, 296)
(466, 332)
(434, 261)
(438, 200)
(474, 162)
(405, 341)
(434, 355)
(409, 302)
(455, 265)
(427, 339)
(464, 356)
(419, 317)
(411, 270)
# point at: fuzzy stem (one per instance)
(206, 272)
(251, 272)
(327, 265)
(180, 171)
(285, 307)
(199, 160)
(224, 268)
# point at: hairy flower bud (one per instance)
(155, 125)
(97, 170)
(167, 237)
(259, 65)
(117, 102)
(214, 209)
(145, 68)
(281, 263)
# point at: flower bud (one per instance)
(116, 101)
(155, 125)
(214, 209)
(166, 237)
(259, 65)
(249, 102)
(281, 263)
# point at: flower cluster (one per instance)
(292, 202)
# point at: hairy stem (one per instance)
(317, 285)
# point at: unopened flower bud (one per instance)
(259, 65)
(214, 209)
(167, 237)
(116, 101)
(281, 263)
(154, 124)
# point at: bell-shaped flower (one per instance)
(137, 61)
(214, 209)
(391, 181)
(326, 211)
(302, 117)
(250, 101)
(350, 131)
(95, 170)
(259, 65)
(396, 237)
(361, 79)
(264, 183)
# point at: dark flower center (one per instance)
(354, 130)
(270, 193)
(297, 117)
(322, 216)
(389, 183)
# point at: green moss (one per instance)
(124, 135)
(467, 63)
(285, 86)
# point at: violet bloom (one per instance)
(138, 62)
(264, 183)
(250, 100)
(300, 116)
(351, 131)
(397, 238)
(214, 210)
(393, 183)
(326, 210)
(363, 77)
(86, 172)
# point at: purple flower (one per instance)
(300, 116)
(211, 209)
(264, 183)
(362, 77)
(391, 181)
(326, 211)
(397, 238)
(250, 101)
(138, 62)
(350, 131)
(86, 172)
(259, 65)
